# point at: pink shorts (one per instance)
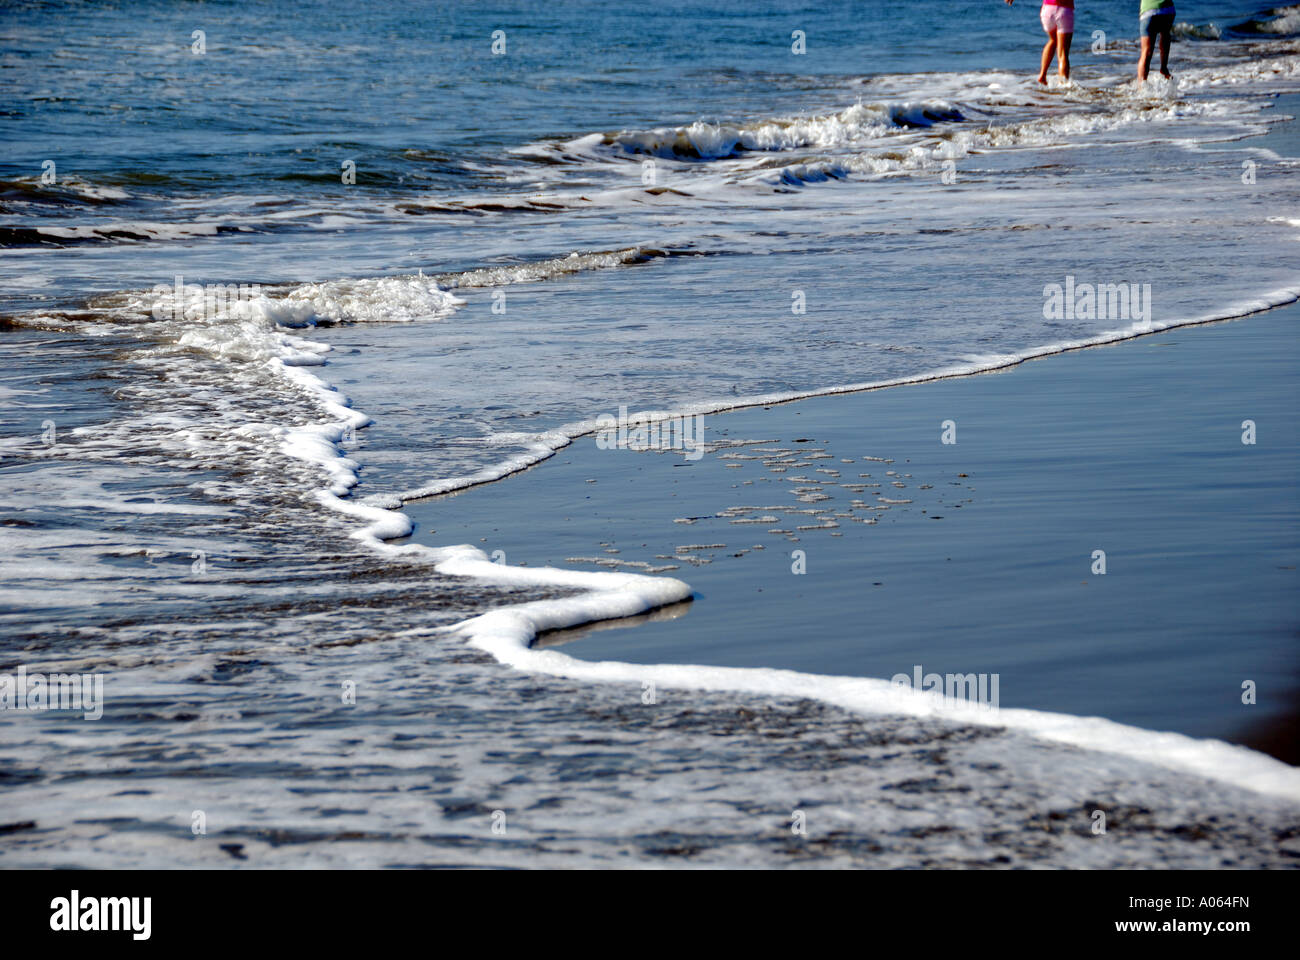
(1057, 19)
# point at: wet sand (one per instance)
(973, 556)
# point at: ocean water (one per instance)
(447, 263)
(840, 536)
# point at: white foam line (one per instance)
(507, 634)
(318, 443)
(545, 445)
(542, 446)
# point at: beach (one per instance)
(497, 436)
(971, 556)
(1114, 445)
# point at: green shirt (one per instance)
(1155, 5)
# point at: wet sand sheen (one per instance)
(974, 556)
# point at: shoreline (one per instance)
(267, 287)
(548, 443)
(516, 629)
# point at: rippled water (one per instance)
(201, 498)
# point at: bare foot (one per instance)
(1166, 74)
(1043, 79)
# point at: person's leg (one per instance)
(1063, 54)
(1049, 48)
(1144, 58)
(1164, 51)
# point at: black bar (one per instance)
(333, 909)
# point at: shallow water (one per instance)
(970, 557)
(620, 209)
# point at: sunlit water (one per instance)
(664, 208)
